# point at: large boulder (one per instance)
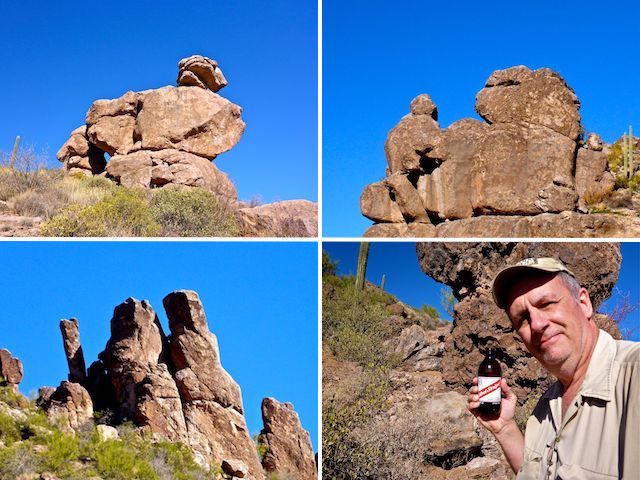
(289, 218)
(469, 269)
(149, 169)
(540, 97)
(523, 160)
(199, 71)
(288, 451)
(70, 404)
(73, 351)
(11, 371)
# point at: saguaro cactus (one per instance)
(14, 153)
(382, 282)
(363, 257)
(628, 146)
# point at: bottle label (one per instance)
(489, 389)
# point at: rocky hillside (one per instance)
(403, 415)
(526, 171)
(171, 391)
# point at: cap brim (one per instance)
(504, 280)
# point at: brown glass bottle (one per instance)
(489, 391)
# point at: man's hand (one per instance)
(503, 425)
(493, 423)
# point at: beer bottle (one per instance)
(489, 391)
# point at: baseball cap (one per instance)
(504, 279)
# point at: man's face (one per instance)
(548, 318)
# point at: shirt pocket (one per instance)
(575, 472)
(531, 466)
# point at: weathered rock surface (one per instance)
(73, 351)
(469, 269)
(211, 400)
(135, 364)
(162, 136)
(288, 446)
(524, 161)
(70, 404)
(565, 225)
(289, 218)
(202, 72)
(150, 169)
(10, 369)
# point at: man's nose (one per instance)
(538, 320)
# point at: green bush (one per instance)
(117, 460)
(12, 398)
(62, 449)
(123, 213)
(192, 212)
(353, 322)
(9, 429)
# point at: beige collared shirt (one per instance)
(599, 436)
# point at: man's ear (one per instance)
(585, 303)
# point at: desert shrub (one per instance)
(123, 213)
(13, 398)
(353, 324)
(61, 449)
(117, 460)
(174, 461)
(431, 311)
(343, 455)
(594, 197)
(39, 203)
(9, 429)
(16, 460)
(192, 212)
(329, 267)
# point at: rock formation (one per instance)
(73, 351)
(469, 268)
(170, 136)
(173, 387)
(10, 370)
(525, 160)
(288, 451)
(163, 136)
(71, 405)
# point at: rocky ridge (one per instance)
(170, 136)
(173, 387)
(514, 173)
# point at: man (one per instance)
(587, 425)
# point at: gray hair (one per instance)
(572, 285)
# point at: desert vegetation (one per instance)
(31, 444)
(81, 206)
(356, 324)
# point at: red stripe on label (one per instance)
(489, 388)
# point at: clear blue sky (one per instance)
(377, 57)
(404, 279)
(58, 57)
(260, 299)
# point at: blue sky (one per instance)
(260, 299)
(404, 279)
(377, 57)
(58, 57)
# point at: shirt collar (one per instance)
(598, 380)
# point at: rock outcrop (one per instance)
(173, 387)
(73, 351)
(289, 218)
(70, 405)
(164, 136)
(288, 451)
(10, 369)
(469, 268)
(526, 159)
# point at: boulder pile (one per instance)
(469, 268)
(10, 370)
(170, 136)
(164, 136)
(516, 171)
(175, 387)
